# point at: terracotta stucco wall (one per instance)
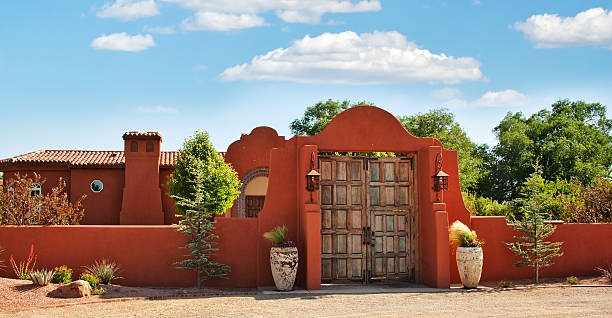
(50, 173)
(146, 253)
(101, 207)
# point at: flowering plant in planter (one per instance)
(278, 237)
(469, 253)
(460, 235)
(283, 258)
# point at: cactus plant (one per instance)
(41, 277)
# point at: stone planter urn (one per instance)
(469, 263)
(284, 264)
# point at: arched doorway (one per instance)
(252, 193)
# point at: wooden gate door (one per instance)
(368, 218)
(343, 218)
(392, 218)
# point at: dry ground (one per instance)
(532, 302)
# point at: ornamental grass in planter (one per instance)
(469, 253)
(283, 258)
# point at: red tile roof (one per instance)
(150, 134)
(81, 158)
(84, 158)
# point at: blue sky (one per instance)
(77, 74)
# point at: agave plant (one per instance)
(278, 237)
(105, 270)
(41, 277)
(461, 235)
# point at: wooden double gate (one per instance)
(368, 218)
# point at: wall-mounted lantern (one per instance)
(440, 179)
(312, 180)
(312, 177)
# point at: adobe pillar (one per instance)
(141, 202)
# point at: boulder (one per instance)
(76, 289)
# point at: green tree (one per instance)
(571, 140)
(441, 124)
(219, 182)
(317, 117)
(198, 225)
(531, 246)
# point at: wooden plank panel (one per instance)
(401, 244)
(326, 244)
(374, 195)
(401, 223)
(340, 170)
(341, 195)
(341, 219)
(356, 268)
(326, 220)
(356, 244)
(402, 265)
(390, 223)
(326, 194)
(326, 170)
(404, 171)
(404, 195)
(326, 268)
(391, 265)
(374, 171)
(378, 267)
(356, 219)
(389, 171)
(341, 244)
(389, 196)
(355, 195)
(341, 273)
(389, 245)
(356, 171)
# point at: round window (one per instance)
(97, 186)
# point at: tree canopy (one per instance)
(572, 140)
(219, 182)
(440, 124)
(317, 117)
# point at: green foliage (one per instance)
(198, 225)
(461, 235)
(588, 204)
(23, 269)
(531, 246)
(41, 277)
(62, 275)
(441, 124)
(218, 181)
(91, 279)
(572, 140)
(571, 280)
(20, 206)
(105, 270)
(486, 206)
(278, 237)
(317, 117)
(98, 291)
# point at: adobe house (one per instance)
(366, 219)
(370, 218)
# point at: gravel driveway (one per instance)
(540, 302)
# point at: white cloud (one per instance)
(128, 9)
(123, 42)
(591, 27)
(351, 58)
(304, 11)
(157, 110)
(159, 30)
(207, 20)
(476, 2)
(506, 98)
(447, 93)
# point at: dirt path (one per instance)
(540, 302)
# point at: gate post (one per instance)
(433, 224)
(309, 219)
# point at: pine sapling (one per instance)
(196, 223)
(532, 247)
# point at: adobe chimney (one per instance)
(142, 202)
